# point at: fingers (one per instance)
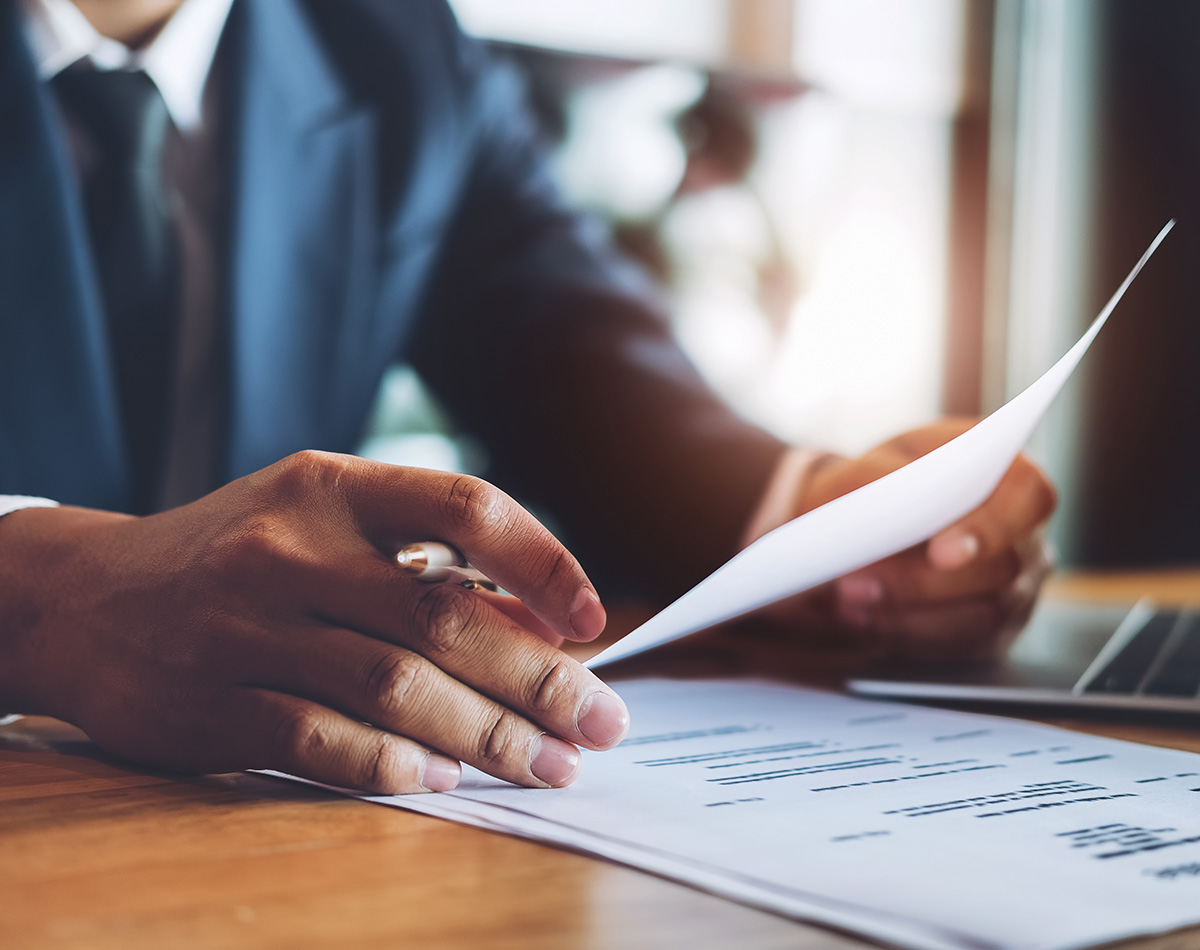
(477, 644)
(937, 624)
(281, 732)
(1021, 503)
(515, 610)
(462, 678)
(480, 645)
(392, 506)
(907, 578)
(979, 628)
(957, 595)
(404, 693)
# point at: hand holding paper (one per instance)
(882, 518)
(964, 595)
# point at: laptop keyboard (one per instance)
(1161, 659)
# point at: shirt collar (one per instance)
(178, 60)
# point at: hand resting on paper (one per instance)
(267, 626)
(964, 594)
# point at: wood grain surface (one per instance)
(95, 853)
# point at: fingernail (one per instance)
(439, 774)
(587, 615)
(553, 761)
(602, 719)
(953, 549)
(860, 589)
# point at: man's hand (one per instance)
(964, 594)
(267, 626)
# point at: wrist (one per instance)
(39, 644)
(782, 500)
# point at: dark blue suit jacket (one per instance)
(388, 202)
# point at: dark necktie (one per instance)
(134, 248)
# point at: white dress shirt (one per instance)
(179, 60)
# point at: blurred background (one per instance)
(873, 213)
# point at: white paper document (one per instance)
(895, 512)
(919, 827)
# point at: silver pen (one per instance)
(436, 562)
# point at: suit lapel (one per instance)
(59, 428)
(303, 241)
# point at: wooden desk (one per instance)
(96, 854)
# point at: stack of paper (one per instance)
(923, 828)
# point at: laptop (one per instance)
(1070, 654)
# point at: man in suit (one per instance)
(220, 221)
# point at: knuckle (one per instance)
(558, 564)
(499, 740)
(300, 735)
(1017, 619)
(385, 766)
(1045, 557)
(550, 688)
(309, 472)
(264, 541)
(476, 504)
(1042, 493)
(391, 679)
(1048, 495)
(1035, 566)
(1009, 567)
(445, 615)
(994, 613)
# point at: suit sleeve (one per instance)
(556, 353)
